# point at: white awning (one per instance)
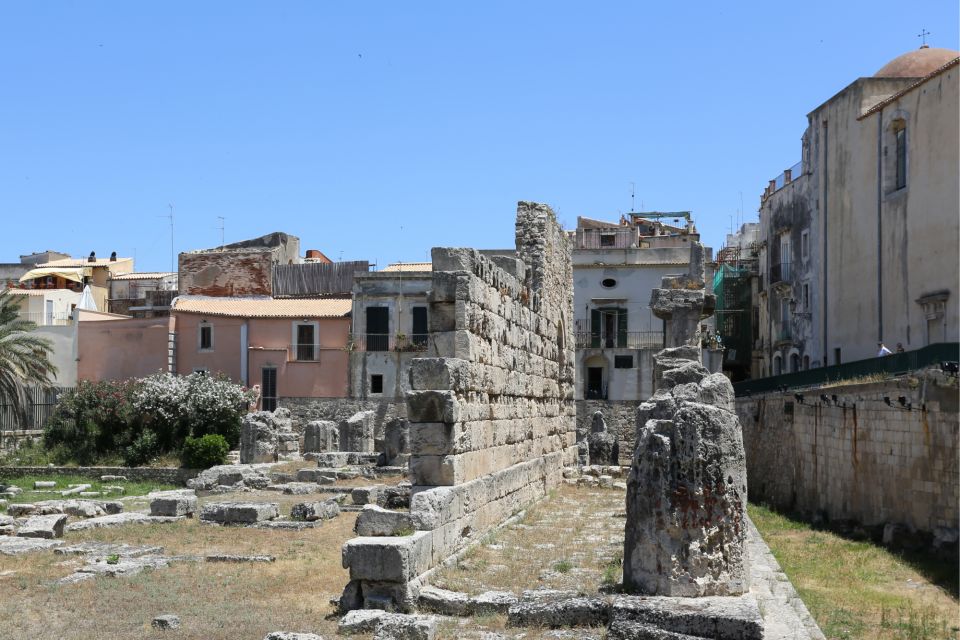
(67, 273)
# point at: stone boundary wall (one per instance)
(492, 417)
(304, 410)
(621, 419)
(869, 461)
(165, 475)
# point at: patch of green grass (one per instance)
(404, 531)
(856, 589)
(130, 488)
(611, 571)
(562, 566)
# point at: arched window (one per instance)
(806, 363)
(900, 131)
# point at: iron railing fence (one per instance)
(893, 364)
(624, 238)
(388, 342)
(40, 405)
(61, 319)
(618, 340)
(780, 273)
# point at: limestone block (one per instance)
(398, 626)
(368, 495)
(47, 527)
(394, 559)
(443, 601)
(357, 433)
(173, 503)
(21, 509)
(167, 621)
(316, 476)
(312, 511)
(258, 438)
(75, 490)
(451, 374)
(239, 512)
(288, 635)
(565, 612)
(321, 436)
(492, 602)
(376, 521)
(42, 484)
(360, 621)
(432, 406)
(396, 441)
(723, 618)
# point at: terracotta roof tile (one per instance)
(142, 275)
(409, 266)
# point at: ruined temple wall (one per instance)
(491, 410)
(872, 462)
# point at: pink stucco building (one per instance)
(290, 348)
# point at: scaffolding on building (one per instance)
(732, 286)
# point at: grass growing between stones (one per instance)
(856, 589)
(130, 488)
(572, 540)
(215, 601)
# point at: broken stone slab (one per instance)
(288, 635)
(90, 494)
(120, 519)
(47, 527)
(377, 521)
(75, 490)
(122, 567)
(444, 601)
(166, 621)
(632, 630)
(717, 617)
(44, 484)
(297, 488)
(239, 512)
(313, 511)
(321, 436)
(284, 525)
(104, 549)
(8, 530)
(253, 476)
(316, 476)
(111, 478)
(173, 503)
(21, 509)
(568, 612)
(75, 508)
(14, 546)
(399, 626)
(493, 602)
(238, 559)
(111, 488)
(110, 507)
(360, 621)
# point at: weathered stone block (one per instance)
(321, 436)
(47, 527)
(312, 511)
(432, 406)
(395, 559)
(376, 521)
(566, 612)
(239, 512)
(440, 373)
(173, 503)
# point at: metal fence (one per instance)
(621, 238)
(40, 407)
(61, 319)
(618, 340)
(388, 342)
(894, 364)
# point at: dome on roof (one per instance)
(916, 64)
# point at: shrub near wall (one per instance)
(138, 420)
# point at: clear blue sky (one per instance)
(377, 130)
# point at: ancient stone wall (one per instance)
(304, 410)
(620, 416)
(868, 461)
(226, 274)
(492, 417)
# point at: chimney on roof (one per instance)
(113, 256)
(93, 257)
(313, 254)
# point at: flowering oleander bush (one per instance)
(138, 420)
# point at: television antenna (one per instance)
(222, 227)
(169, 216)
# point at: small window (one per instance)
(608, 240)
(623, 362)
(376, 383)
(206, 337)
(805, 245)
(901, 158)
(806, 297)
(608, 283)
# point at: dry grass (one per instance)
(856, 589)
(573, 540)
(214, 601)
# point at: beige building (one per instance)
(860, 238)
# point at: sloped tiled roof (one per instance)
(409, 266)
(263, 307)
(142, 275)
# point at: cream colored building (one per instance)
(860, 238)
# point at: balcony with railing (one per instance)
(618, 340)
(780, 274)
(618, 238)
(783, 332)
(61, 319)
(388, 342)
(304, 353)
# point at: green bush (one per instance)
(204, 452)
(142, 450)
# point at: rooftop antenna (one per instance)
(632, 194)
(923, 36)
(223, 225)
(170, 217)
